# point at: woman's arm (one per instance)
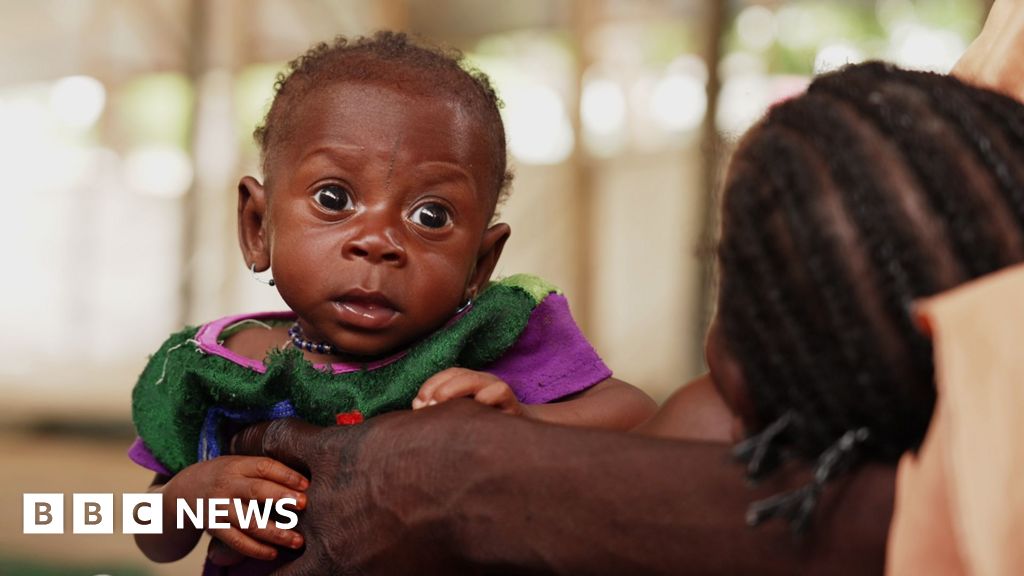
(462, 487)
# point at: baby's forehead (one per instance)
(420, 75)
(454, 86)
(381, 112)
(430, 103)
(381, 115)
(376, 120)
(396, 78)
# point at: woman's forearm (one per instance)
(462, 487)
(578, 501)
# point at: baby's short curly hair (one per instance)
(391, 59)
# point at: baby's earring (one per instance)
(252, 269)
(466, 305)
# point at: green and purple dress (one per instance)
(195, 392)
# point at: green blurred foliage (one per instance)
(155, 109)
(254, 92)
(805, 26)
(664, 41)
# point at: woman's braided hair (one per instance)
(876, 188)
(395, 60)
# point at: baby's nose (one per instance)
(375, 244)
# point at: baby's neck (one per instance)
(257, 341)
(340, 357)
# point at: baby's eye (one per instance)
(431, 216)
(333, 197)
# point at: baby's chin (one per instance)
(366, 350)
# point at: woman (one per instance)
(833, 224)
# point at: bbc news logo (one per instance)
(144, 514)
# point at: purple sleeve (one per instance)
(552, 358)
(141, 455)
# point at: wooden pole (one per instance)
(585, 14)
(712, 147)
(195, 63)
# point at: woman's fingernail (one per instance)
(417, 404)
(432, 402)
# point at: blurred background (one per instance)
(125, 125)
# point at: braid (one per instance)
(811, 320)
(777, 310)
(1003, 111)
(894, 270)
(906, 116)
(843, 207)
(817, 311)
(766, 364)
(977, 127)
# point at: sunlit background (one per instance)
(125, 125)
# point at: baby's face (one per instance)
(377, 217)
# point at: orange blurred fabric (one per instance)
(960, 499)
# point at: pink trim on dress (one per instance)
(207, 341)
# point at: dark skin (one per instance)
(375, 217)
(225, 477)
(451, 505)
(392, 189)
(395, 494)
(714, 407)
(434, 491)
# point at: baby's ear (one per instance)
(487, 258)
(252, 218)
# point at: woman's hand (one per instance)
(485, 388)
(461, 489)
(380, 510)
(995, 59)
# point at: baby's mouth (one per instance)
(365, 309)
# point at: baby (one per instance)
(383, 163)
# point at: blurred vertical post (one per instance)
(214, 45)
(716, 14)
(585, 15)
(195, 50)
